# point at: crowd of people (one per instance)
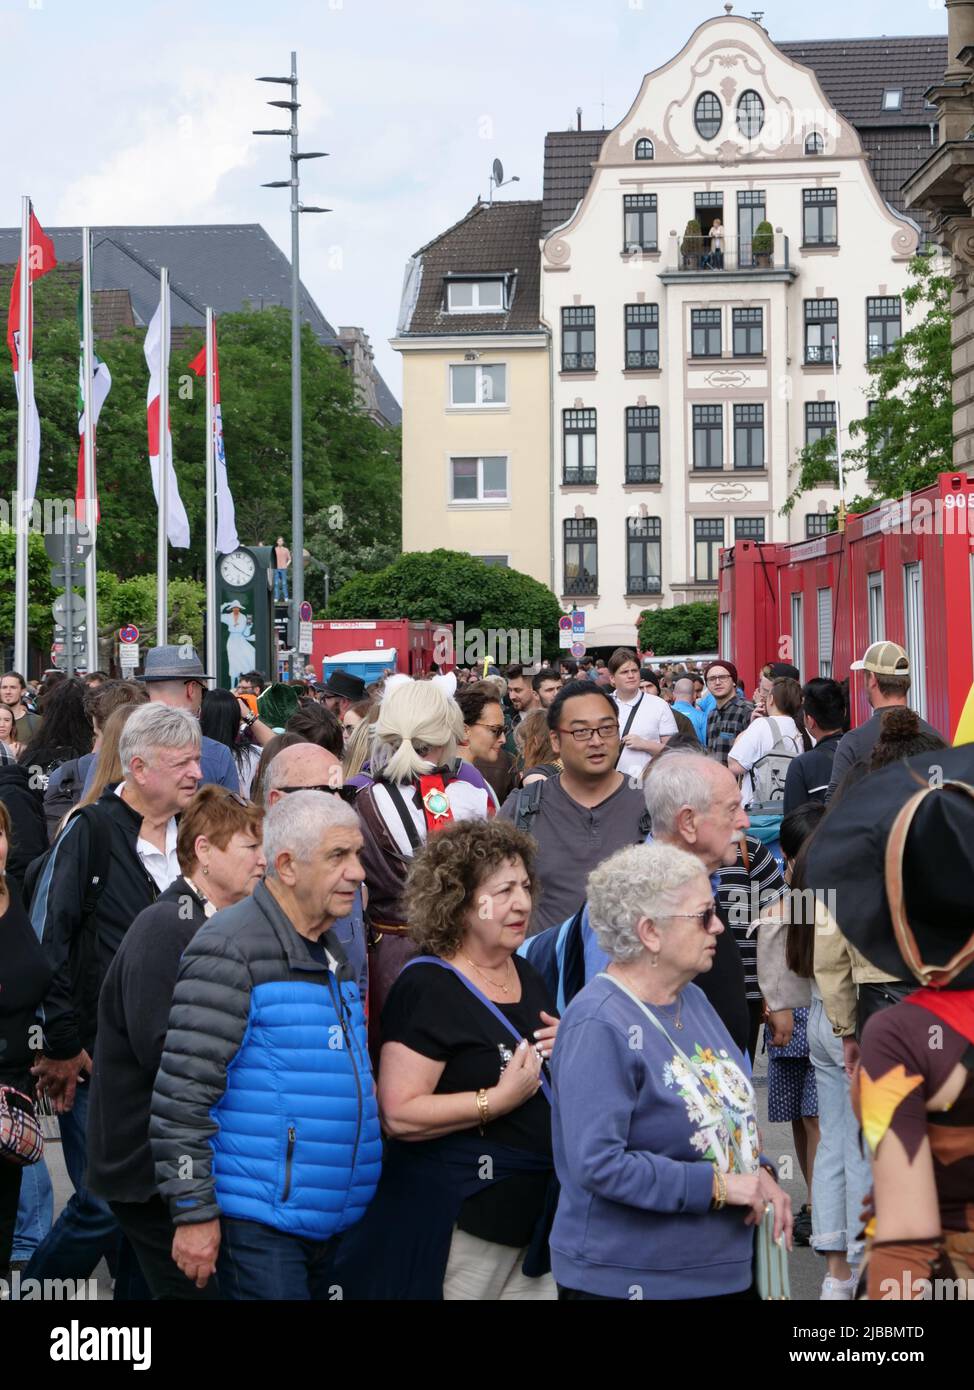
(453, 987)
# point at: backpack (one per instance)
(528, 804)
(768, 775)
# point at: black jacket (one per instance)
(28, 835)
(133, 1015)
(78, 958)
(810, 773)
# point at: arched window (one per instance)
(644, 149)
(814, 144)
(750, 115)
(708, 115)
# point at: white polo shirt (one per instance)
(654, 720)
(163, 868)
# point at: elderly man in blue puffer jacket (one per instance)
(264, 1130)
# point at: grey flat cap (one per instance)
(172, 664)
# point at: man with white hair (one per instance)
(110, 861)
(264, 1129)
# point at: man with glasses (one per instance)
(587, 812)
(731, 714)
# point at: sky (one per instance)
(129, 111)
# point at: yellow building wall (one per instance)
(433, 432)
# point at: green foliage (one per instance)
(686, 628)
(122, 601)
(692, 243)
(40, 592)
(907, 437)
(450, 586)
(762, 242)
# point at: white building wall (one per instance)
(584, 263)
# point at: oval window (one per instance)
(708, 115)
(750, 115)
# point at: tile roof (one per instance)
(503, 236)
(854, 72)
(568, 156)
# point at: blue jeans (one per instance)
(86, 1231)
(35, 1213)
(842, 1174)
(259, 1262)
(280, 585)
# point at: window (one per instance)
(749, 436)
(878, 444)
(708, 537)
(748, 333)
(817, 524)
(750, 115)
(824, 605)
(821, 326)
(751, 212)
(476, 296)
(913, 614)
(726, 628)
(820, 226)
(581, 545)
(814, 144)
(642, 336)
(645, 150)
(877, 611)
(708, 115)
(578, 339)
(819, 421)
(893, 99)
(749, 528)
(708, 436)
(478, 385)
(644, 555)
(883, 324)
(639, 222)
(642, 445)
(479, 479)
(704, 332)
(797, 633)
(579, 435)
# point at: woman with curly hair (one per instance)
(463, 1091)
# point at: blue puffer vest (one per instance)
(298, 1146)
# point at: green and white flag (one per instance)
(101, 385)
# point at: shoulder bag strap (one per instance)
(409, 825)
(632, 715)
(487, 1003)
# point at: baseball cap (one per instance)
(883, 659)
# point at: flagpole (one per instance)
(91, 504)
(838, 437)
(162, 553)
(211, 609)
(23, 444)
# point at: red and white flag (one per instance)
(177, 522)
(41, 259)
(226, 524)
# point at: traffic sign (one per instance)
(79, 543)
(578, 649)
(305, 639)
(65, 604)
(565, 638)
(129, 633)
(578, 621)
(304, 612)
(128, 655)
(565, 623)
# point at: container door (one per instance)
(915, 649)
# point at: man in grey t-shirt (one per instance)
(589, 811)
(887, 671)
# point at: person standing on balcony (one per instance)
(717, 245)
(282, 558)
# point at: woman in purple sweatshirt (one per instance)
(662, 1181)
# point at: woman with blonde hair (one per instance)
(416, 790)
(108, 769)
(358, 746)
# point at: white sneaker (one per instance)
(838, 1290)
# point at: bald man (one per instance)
(308, 767)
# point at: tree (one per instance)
(450, 586)
(40, 591)
(687, 628)
(907, 435)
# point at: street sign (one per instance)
(578, 621)
(304, 612)
(128, 655)
(565, 623)
(565, 638)
(578, 649)
(305, 639)
(79, 544)
(68, 603)
(129, 633)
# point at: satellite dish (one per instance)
(498, 172)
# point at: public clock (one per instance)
(238, 568)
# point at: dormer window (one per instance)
(477, 296)
(814, 144)
(645, 150)
(893, 99)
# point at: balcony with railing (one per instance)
(731, 258)
(581, 584)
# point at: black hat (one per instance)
(783, 670)
(345, 686)
(897, 853)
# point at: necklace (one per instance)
(504, 989)
(678, 1020)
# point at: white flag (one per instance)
(177, 522)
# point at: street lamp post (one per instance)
(297, 455)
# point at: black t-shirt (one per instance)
(24, 979)
(432, 1012)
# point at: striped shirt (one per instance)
(743, 896)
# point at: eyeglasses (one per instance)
(702, 917)
(712, 680)
(605, 732)
(346, 793)
(495, 730)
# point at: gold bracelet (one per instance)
(483, 1110)
(720, 1190)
